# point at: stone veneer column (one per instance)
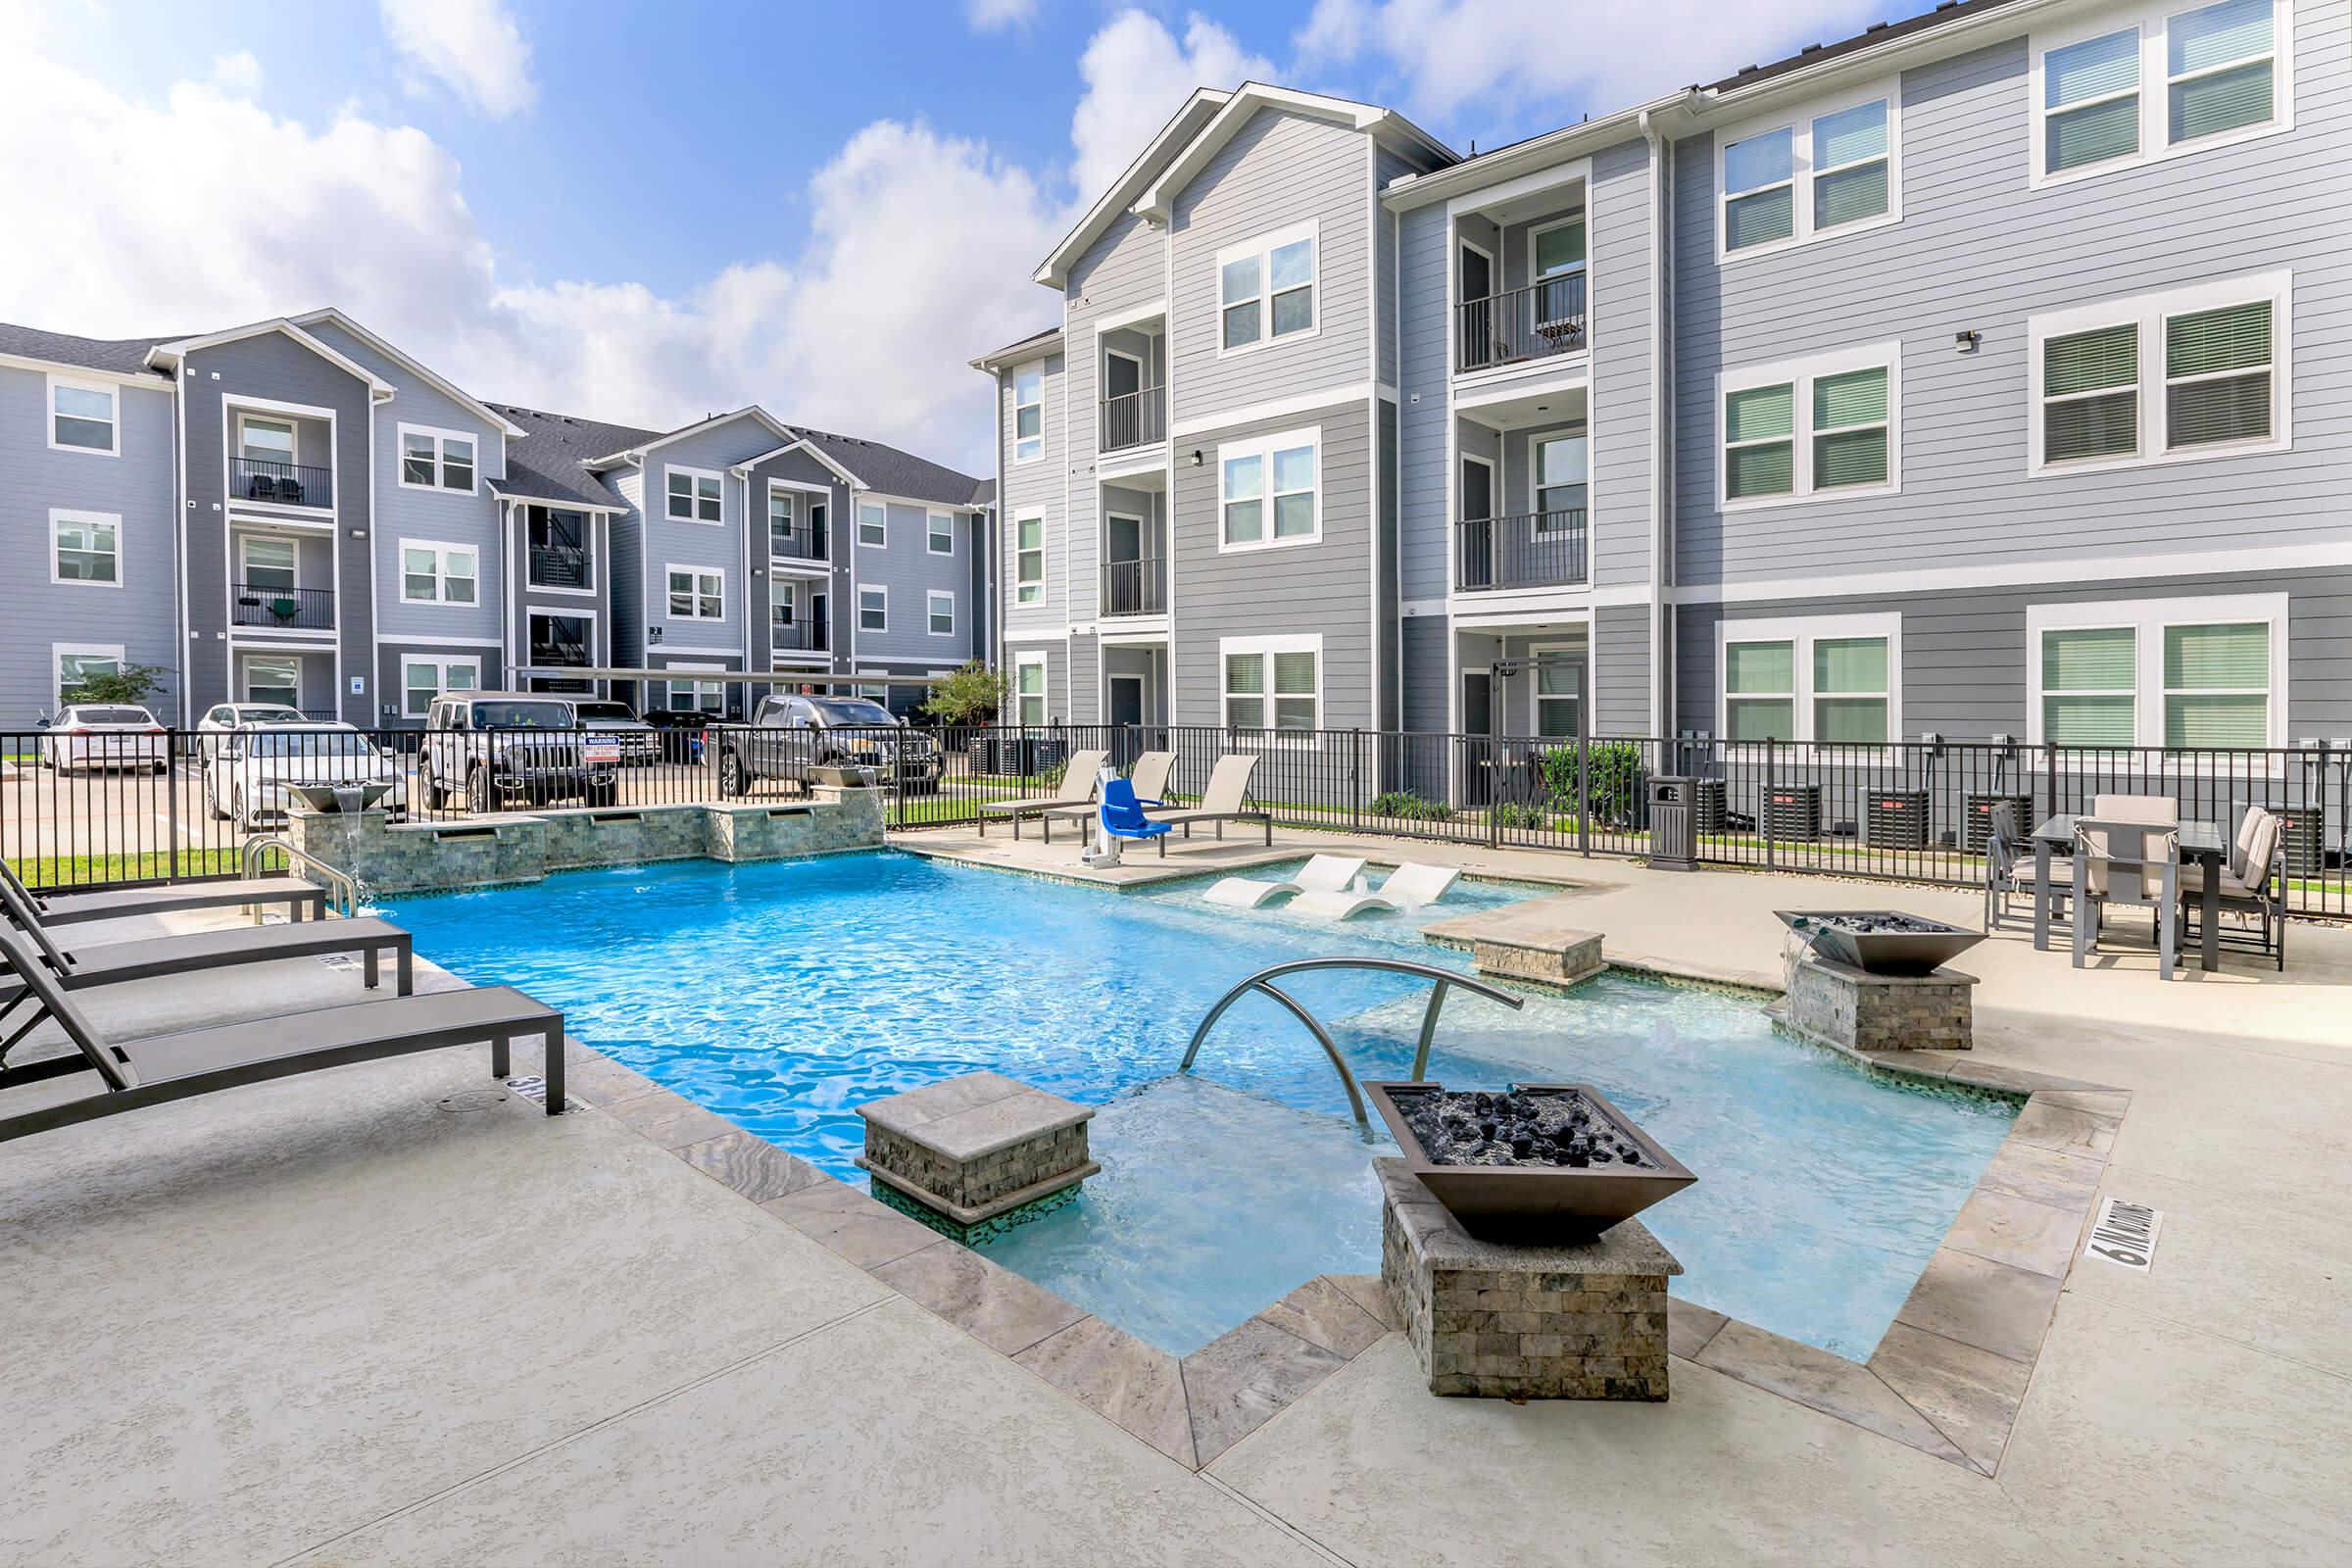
(1846, 1008)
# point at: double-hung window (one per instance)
(1562, 466)
(1821, 175)
(424, 679)
(261, 439)
(697, 592)
(1826, 679)
(438, 574)
(2174, 672)
(873, 607)
(82, 416)
(940, 609)
(873, 525)
(1268, 492)
(1273, 682)
(1815, 428)
(1029, 560)
(436, 460)
(693, 495)
(2171, 79)
(1029, 689)
(1557, 676)
(88, 547)
(939, 536)
(1266, 289)
(1028, 414)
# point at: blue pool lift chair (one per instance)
(1123, 814)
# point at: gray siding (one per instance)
(1086, 681)
(1425, 495)
(1388, 704)
(1125, 268)
(669, 543)
(905, 567)
(1058, 676)
(626, 534)
(1427, 659)
(1387, 166)
(1622, 435)
(804, 468)
(1036, 489)
(1620, 674)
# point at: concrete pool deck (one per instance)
(330, 1320)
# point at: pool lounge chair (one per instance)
(66, 908)
(1149, 775)
(197, 1062)
(1325, 873)
(1408, 887)
(1077, 788)
(1221, 802)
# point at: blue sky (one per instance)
(644, 212)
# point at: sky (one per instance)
(645, 213)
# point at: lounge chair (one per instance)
(1221, 802)
(1077, 788)
(1123, 814)
(197, 1062)
(1408, 887)
(1149, 775)
(2253, 883)
(67, 909)
(1325, 873)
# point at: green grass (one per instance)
(81, 870)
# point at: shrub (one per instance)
(1613, 792)
(1515, 814)
(970, 694)
(133, 683)
(1410, 807)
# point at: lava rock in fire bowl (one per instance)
(1535, 1162)
(1880, 941)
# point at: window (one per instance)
(274, 680)
(1556, 264)
(697, 592)
(1269, 492)
(779, 515)
(1029, 689)
(424, 679)
(1823, 679)
(2174, 672)
(1029, 414)
(88, 547)
(437, 575)
(75, 663)
(873, 525)
(942, 610)
(2172, 80)
(699, 696)
(1815, 428)
(940, 538)
(2190, 374)
(436, 460)
(1828, 174)
(873, 608)
(1273, 682)
(1556, 680)
(1561, 467)
(81, 415)
(1029, 560)
(261, 440)
(693, 495)
(266, 566)
(1266, 289)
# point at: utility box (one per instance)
(1707, 810)
(2301, 831)
(1673, 823)
(1895, 819)
(1791, 811)
(2015, 813)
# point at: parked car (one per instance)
(493, 747)
(82, 736)
(221, 717)
(638, 740)
(256, 768)
(788, 736)
(682, 730)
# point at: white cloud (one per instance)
(991, 15)
(1137, 75)
(237, 75)
(471, 47)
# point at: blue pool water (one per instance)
(785, 994)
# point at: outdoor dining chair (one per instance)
(2126, 862)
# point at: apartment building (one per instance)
(297, 511)
(1983, 373)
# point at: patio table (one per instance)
(2200, 842)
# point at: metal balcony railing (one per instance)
(559, 567)
(801, 541)
(558, 651)
(285, 484)
(1136, 419)
(1521, 323)
(1533, 550)
(796, 636)
(284, 609)
(1135, 587)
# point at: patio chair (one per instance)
(1149, 775)
(1077, 788)
(2163, 811)
(261, 487)
(69, 908)
(290, 491)
(1221, 802)
(2254, 883)
(1123, 814)
(196, 1062)
(1325, 873)
(2126, 862)
(1408, 887)
(2009, 872)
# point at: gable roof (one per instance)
(984, 494)
(887, 470)
(123, 356)
(634, 450)
(1020, 349)
(424, 372)
(1385, 125)
(1181, 127)
(549, 461)
(177, 350)
(803, 444)
(1945, 14)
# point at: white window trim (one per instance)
(1579, 217)
(1045, 708)
(2148, 311)
(63, 514)
(1019, 370)
(882, 508)
(862, 591)
(1039, 518)
(1268, 736)
(1535, 439)
(693, 497)
(2155, 96)
(931, 603)
(442, 551)
(1263, 448)
(1535, 686)
(698, 572)
(1263, 247)
(114, 398)
(1801, 374)
(245, 416)
(2147, 618)
(1803, 632)
(440, 440)
(58, 652)
(1143, 367)
(931, 523)
(1799, 123)
(441, 688)
(248, 657)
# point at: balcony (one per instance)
(281, 484)
(559, 567)
(1535, 322)
(796, 636)
(1137, 419)
(798, 541)
(283, 609)
(1533, 550)
(1135, 587)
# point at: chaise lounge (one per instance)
(1221, 802)
(1077, 788)
(301, 899)
(1408, 887)
(1148, 776)
(1324, 873)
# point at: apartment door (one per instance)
(1478, 728)
(1126, 713)
(1122, 375)
(1125, 591)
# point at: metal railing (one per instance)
(800, 541)
(1135, 587)
(1521, 323)
(1530, 550)
(343, 894)
(284, 484)
(796, 636)
(1134, 419)
(557, 566)
(287, 609)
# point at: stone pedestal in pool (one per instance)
(1575, 1320)
(1836, 1004)
(974, 1154)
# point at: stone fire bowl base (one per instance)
(1574, 1320)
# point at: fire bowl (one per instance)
(1538, 1162)
(1880, 941)
(339, 797)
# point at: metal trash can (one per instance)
(1673, 823)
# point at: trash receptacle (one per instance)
(1673, 823)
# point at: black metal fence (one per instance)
(104, 807)
(1533, 322)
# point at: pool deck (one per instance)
(393, 1313)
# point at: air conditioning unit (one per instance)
(1896, 819)
(1793, 810)
(2016, 812)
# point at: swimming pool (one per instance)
(785, 994)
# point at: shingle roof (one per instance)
(1878, 32)
(548, 460)
(984, 494)
(1017, 344)
(123, 356)
(893, 473)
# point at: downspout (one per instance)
(1660, 274)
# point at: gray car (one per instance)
(492, 749)
(789, 736)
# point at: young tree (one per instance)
(970, 694)
(133, 683)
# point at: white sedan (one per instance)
(221, 717)
(118, 735)
(253, 777)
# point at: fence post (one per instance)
(1772, 750)
(1584, 783)
(1355, 778)
(172, 794)
(2050, 784)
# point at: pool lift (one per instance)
(1118, 818)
